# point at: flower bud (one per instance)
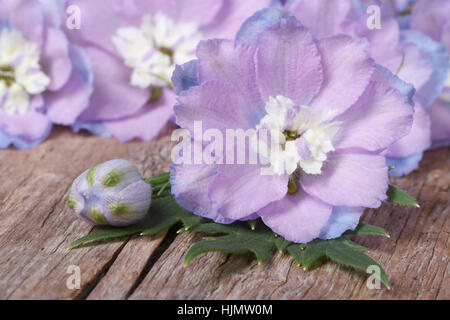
(112, 193)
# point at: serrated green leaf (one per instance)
(296, 251)
(282, 243)
(163, 213)
(352, 245)
(315, 250)
(396, 195)
(340, 250)
(104, 234)
(159, 182)
(367, 229)
(238, 239)
(341, 253)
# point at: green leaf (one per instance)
(163, 213)
(159, 181)
(296, 251)
(315, 250)
(345, 254)
(340, 250)
(396, 195)
(367, 229)
(281, 243)
(238, 238)
(166, 212)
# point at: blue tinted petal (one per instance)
(403, 166)
(253, 26)
(341, 220)
(439, 58)
(185, 76)
(97, 128)
(6, 140)
(387, 77)
(82, 63)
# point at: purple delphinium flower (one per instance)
(432, 18)
(112, 193)
(134, 46)
(410, 55)
(334, 113)
(44, 79)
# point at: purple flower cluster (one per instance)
(343, 92)
(111, 73)
(411, 55)
(432, 19)
(336, 111)
(134, 47)
(44, 79)
(345, 100)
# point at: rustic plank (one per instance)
(416, 257)
(36, 226)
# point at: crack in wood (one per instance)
(88, 287)
(154, 257)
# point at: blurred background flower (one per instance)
(44, 80)
(410, 55)
(432, 17)
(134, 46)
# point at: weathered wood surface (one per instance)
(36, 228)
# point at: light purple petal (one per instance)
(238, 191)
(233, 63)
(380, 117)
(419, 138)
(146, 123)
(27, 128)
(323, 17)
(200, 12)
(231, 16)
(440, 119)
(298, 217)
(66, 105)
(190, 184)
(349, 179)
(218, 105)
(27, 16)
(347, 72)
(100, 20)
(113, 97)
(55, 59)
(21, 144)
(288, 62)
(428, 88)
(429, 16)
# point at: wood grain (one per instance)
(36, 227)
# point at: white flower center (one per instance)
(20, 72)
(301, 136)
(153, 50)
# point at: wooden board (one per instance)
(36, 228)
